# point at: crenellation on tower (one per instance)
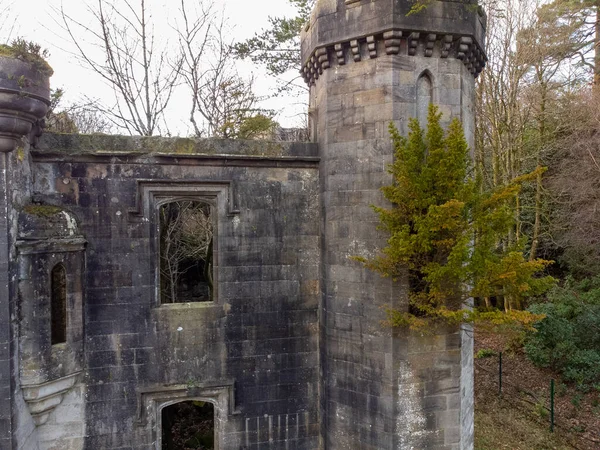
(445, 29)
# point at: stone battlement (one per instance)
(351, 31)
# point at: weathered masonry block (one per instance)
(269, 321)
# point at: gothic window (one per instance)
(58, 302)
(186, 251)
(424, 97)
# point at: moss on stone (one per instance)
(102, 144)
(20, 153)
(28, 52)
(42, 210)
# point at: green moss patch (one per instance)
(42, 210)
(28, 52)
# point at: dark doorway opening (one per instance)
(188, 426)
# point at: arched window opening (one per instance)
(58, 305)
(186, 252)
(188, 425)
(424, 97)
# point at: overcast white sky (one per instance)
(37, 20)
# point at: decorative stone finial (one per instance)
(24, 100)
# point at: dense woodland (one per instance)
(538, 106)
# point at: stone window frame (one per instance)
(152, 194)
(207, 199)
(432, 95)
(217, 420)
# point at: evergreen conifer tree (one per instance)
(446, 235)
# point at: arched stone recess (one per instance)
(51, 258)
(425, 96)
(152, 401)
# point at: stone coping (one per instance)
(116, 145)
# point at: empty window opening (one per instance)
(58, 305)
(424, 98)
(186, 252)
(188, 426)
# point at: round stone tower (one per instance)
(369, 63)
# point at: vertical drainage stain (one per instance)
(410, 421)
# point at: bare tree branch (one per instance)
(141, 76)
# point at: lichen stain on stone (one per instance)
(410, 423)
(42, 210)
(67, 187)
(96, 171)
(71, 223)
(236, 222)
(20, 153)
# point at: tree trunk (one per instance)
(597, 46)
(538, 216)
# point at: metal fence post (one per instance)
(552, 406)
(500, 374)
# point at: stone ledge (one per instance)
(43, 398)
(221, 392)
(123, 146)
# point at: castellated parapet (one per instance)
(352, 30)
(277, 330)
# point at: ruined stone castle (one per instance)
(265, 318)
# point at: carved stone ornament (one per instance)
(24, 100)
(44, 397)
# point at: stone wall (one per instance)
(253, 351)
(6, 375)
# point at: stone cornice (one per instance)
(51, 245)
(395, 42)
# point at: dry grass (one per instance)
(499, 425)
(519, 420)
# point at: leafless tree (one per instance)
(186, 234)
(574, 187)
(84, 118)
(223, 102)
(7, 21)
(141, 74)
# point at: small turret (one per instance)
(369, 63)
